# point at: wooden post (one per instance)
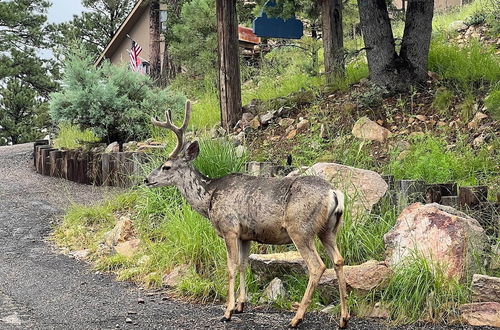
(45, 160)
(472, 196)
(38, 143)
(229, 63)
(105, 163)
(54, 155)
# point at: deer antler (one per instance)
(179, 131)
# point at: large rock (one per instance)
(366, 129)
(437, 232)
(481, 314)
(174, 277)
(268, 266)
(485, 288)
(458, 26)
(274, 291)
(360, 278)
(112, 147)
(128, 248)
(363, 188)
(123, 231)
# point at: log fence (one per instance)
(121, 169)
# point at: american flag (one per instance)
(135, 50)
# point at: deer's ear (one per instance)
(192, 151)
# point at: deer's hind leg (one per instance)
(315, 267)
(328, 238)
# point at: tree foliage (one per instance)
(195, 38)
(94, 27)
(25, 79)
(22, 115)
(112, 101)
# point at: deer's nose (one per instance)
(146, 181)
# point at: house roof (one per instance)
(121, 33)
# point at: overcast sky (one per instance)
(63, 10)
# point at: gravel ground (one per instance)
(43, 289)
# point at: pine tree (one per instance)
(25, 79)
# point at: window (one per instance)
(163, 20)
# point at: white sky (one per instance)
(63, 10)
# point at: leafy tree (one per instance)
(23, 117)
(112, 101)
(25, 79)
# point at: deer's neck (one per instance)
(194, 188)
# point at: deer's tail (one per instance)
(339, 197)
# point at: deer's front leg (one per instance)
(232, 262)
(243, 252)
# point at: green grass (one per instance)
(430, 159)
(465, 68)
(72, 137)
(442, 100)
(492, 102)
(420, 289)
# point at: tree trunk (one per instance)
(417, 38)
(169, 70)
(229, 63)
(333, 39)
(154, 39)
(379, 41)
(386, 67)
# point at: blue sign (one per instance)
(277, 27)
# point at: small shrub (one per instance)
(442, 100)
(71, 137)
(492, 103)
(112, 101)
(370, 98)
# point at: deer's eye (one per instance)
(165, 168)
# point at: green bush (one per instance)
(71, 137)
(112, 101)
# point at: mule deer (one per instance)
(245, 208)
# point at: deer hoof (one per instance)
(295, 323)
(225, 319)
(239, 308)
(343, 322)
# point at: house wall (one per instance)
(140, 33)
(438, 4)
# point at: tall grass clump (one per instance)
(472, 65)
(72, 137)
(431, 159)
(492, 102)
(361, 237)
(420, 289)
